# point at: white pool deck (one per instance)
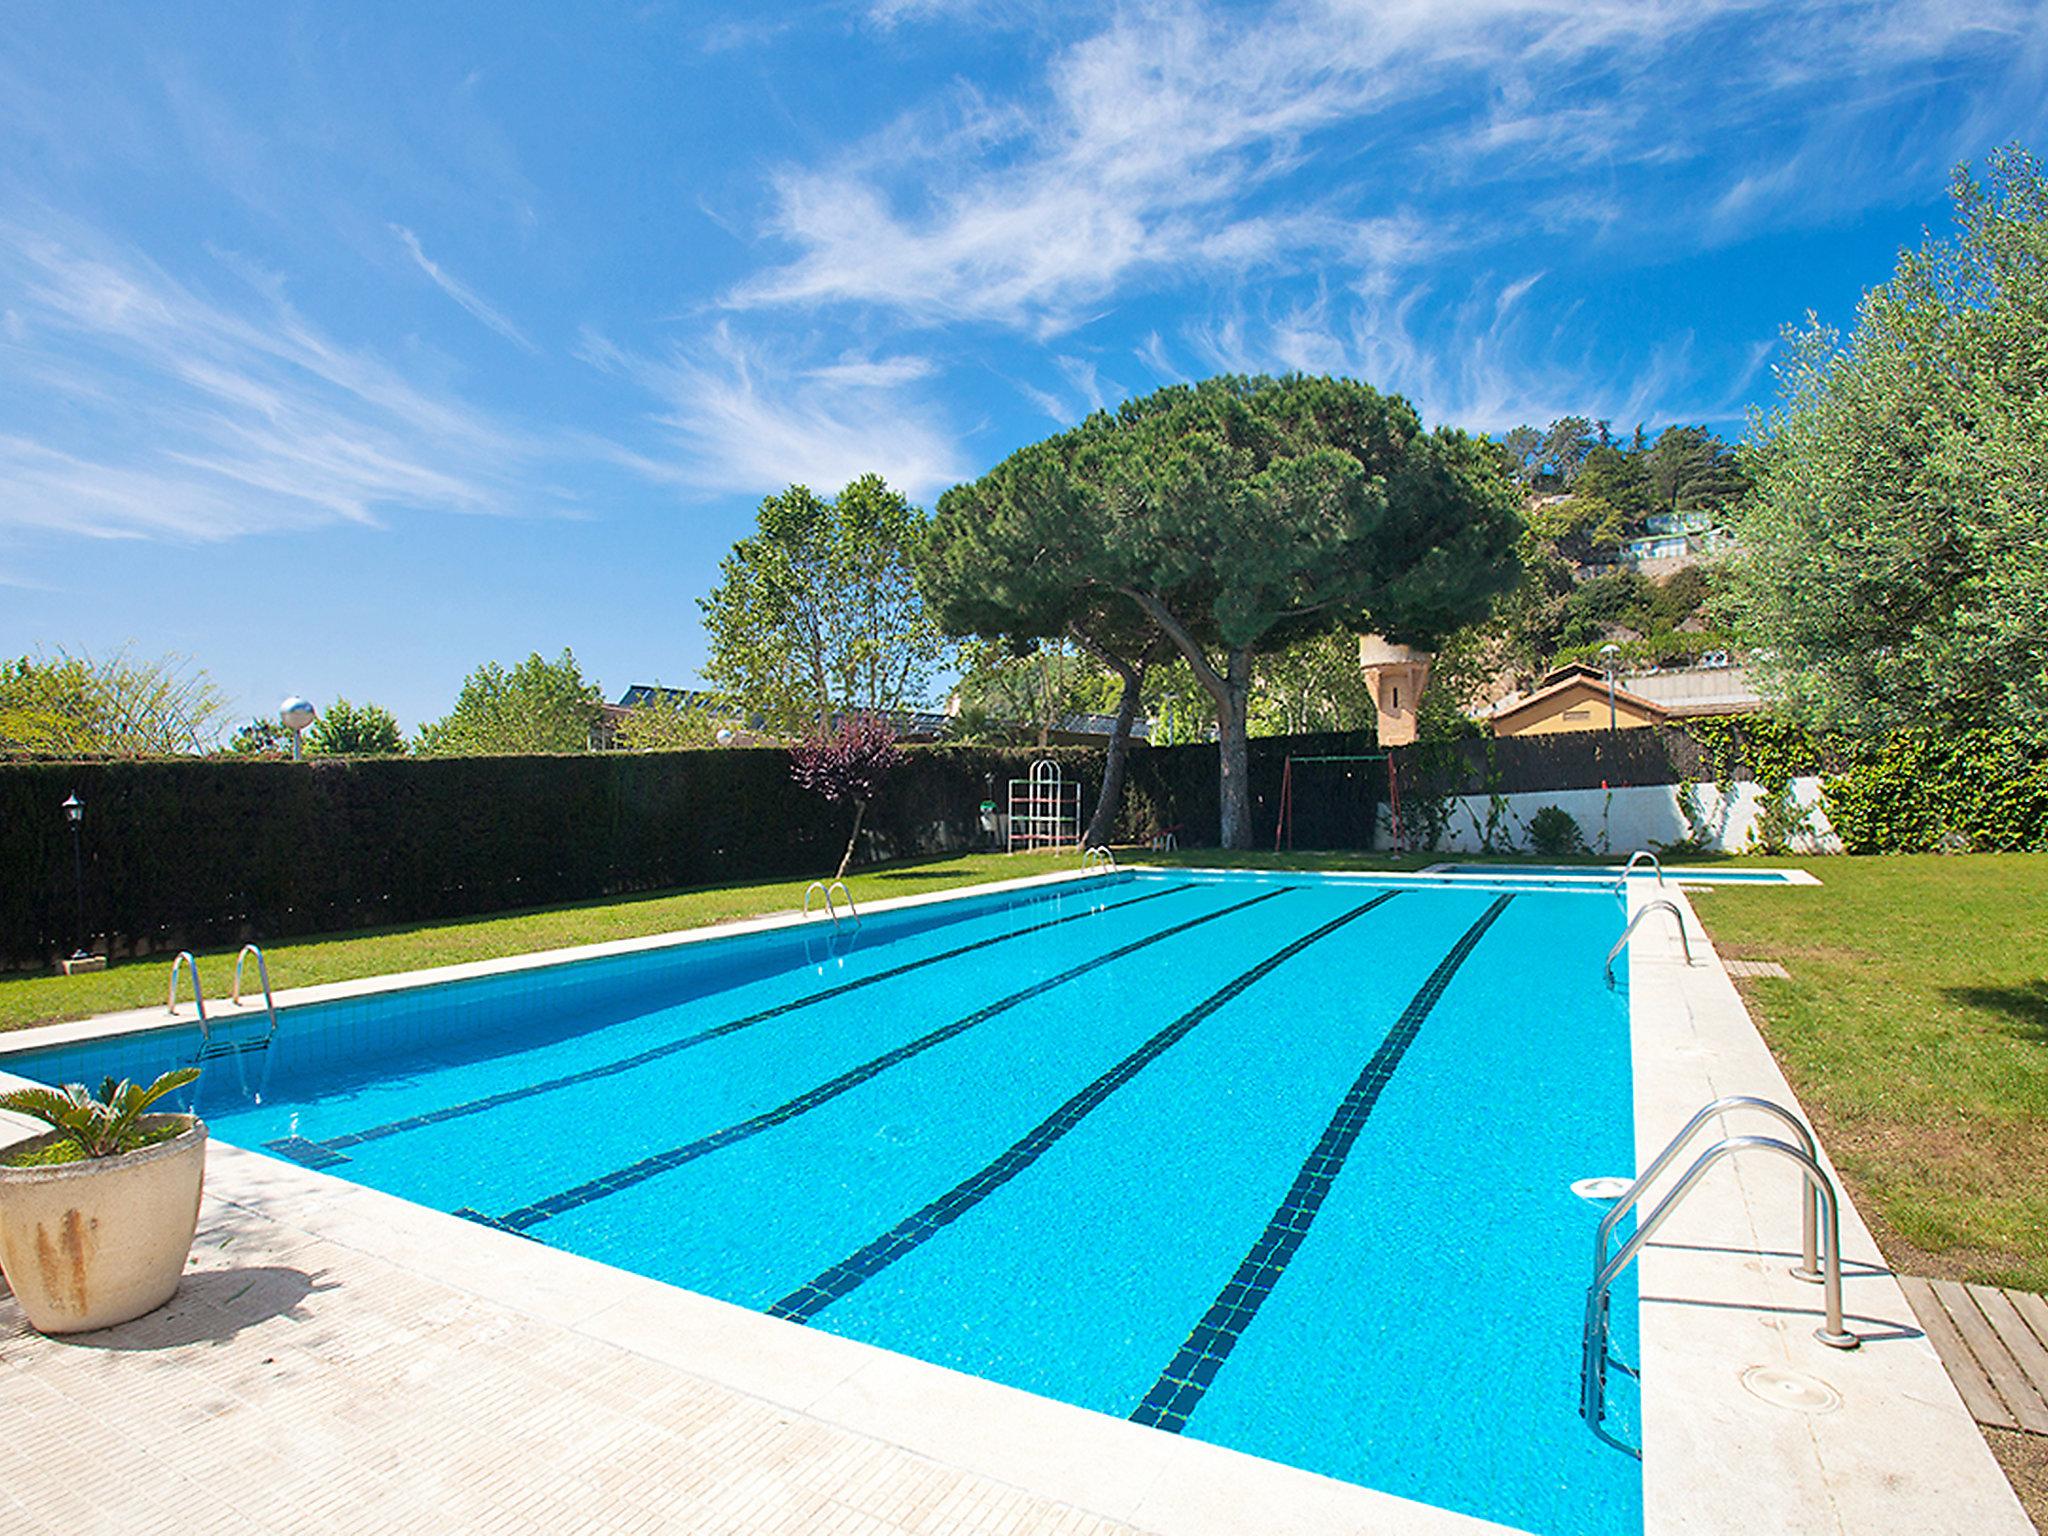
(342, 1360)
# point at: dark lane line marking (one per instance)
(811, 1298)
(1181, 1385)
(533, 1215)
(326, 1152)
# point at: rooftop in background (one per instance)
(1575, 698)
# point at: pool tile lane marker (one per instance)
(326, 1152)
(532, 1215)
(1181, 1385)
(811, 1298)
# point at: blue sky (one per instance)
(344, 347)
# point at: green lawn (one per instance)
(1915, 1030)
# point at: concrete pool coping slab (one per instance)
(1899, 1453)
(1717, 1299)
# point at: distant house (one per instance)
(1574, 698)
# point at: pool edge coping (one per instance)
(1900, 1452)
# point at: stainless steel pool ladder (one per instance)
(1636, 858)
(1642, 912)
(213, 1042)
(818, 888)
(1820, 1215)
(1097, 860)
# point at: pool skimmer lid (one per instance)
(1604, 1188)
(1791, 1389)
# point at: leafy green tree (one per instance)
(1240, 514)
(355, 730)
(1019, 691)
(1000, 563)
(261, 737)
(818, 611)
(668, 721)
(1312, 684)
(537, 706)
(117, 706)
(1689, 468)
(1893, 557)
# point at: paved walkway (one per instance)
(295, 1384)
(1995, 1345)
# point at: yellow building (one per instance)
(1575, 698)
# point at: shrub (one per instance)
(1924, 791)
(1554, 833)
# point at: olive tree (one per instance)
(1893, 555)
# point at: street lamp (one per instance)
(74, 813)
(1610, 650)
(297, 714)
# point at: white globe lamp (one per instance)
(296, 714)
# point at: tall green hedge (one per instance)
(194, 852)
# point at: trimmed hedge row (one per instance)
(204, 851)
(182, 853)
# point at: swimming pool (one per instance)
(1281, 1162)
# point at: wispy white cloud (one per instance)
(144, 407)
(1469, 360)
(460, 292)
(1162, 149)
(737, 416)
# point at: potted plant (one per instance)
(97, 1213)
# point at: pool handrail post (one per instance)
(191, 966)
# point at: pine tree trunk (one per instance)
(1102, 825)
(860, 811)
(1233, 757)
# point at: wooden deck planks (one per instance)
(1994, 1344)
(1984, 1403)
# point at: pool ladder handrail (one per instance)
(187, 963)
(1636, 858)
(1098, 860)
(210, 1045)
(1593, 1362)
(1642, 912)
(818, 887)
(1809, 1267)
(262, 975)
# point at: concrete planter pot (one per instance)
(94, 1243)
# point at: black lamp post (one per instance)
(74, 812)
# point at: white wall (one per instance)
(1622, 820)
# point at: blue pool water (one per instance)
(1280, 1162)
